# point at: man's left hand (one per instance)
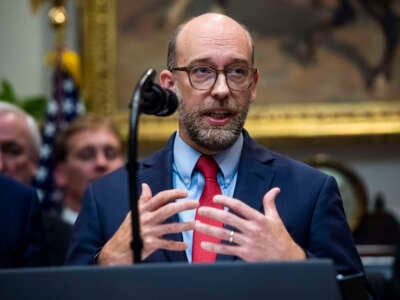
(257, 236)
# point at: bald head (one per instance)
(212, 108)
(10, 111)
(222, 29)
(19, 143)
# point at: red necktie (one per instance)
(208, 168)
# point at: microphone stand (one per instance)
(138, 94)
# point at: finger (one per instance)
(169, 228)
(218, 232)
(163, 213)
(220, 248)
(146, 192)
(171, 245)
(162, 198)
(269, 201)
(145, 197)
(237, 206)
(171, 209)
(176, 227)
(223, 217)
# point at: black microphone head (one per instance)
(171, 103)
(158, 101)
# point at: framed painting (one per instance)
(326, 69)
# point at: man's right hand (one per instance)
(153, 212)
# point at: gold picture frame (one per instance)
(351, 186)
(265, 122)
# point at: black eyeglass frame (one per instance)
(188, 69)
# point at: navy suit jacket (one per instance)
(21, 235)
(309, 204)
(57, 233)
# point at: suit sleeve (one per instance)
(87, 236)
(330, 235)
(33, 234)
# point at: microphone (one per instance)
(148, 98)
(158, 101)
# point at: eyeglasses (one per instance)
(203, 77)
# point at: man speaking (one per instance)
(212, 193)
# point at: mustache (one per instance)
(227, 105)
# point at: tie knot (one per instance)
(207, 166)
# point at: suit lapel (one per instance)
(253, 181)
(254, 178)
(157, 172)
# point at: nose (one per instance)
(220, 89)
(101, 161)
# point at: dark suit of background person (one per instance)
(309, 205)
(58, 233)
(21, 235)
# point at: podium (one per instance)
(310, 279)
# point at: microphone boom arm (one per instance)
(137, 243)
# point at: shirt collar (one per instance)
(69, 215)
(185, 159)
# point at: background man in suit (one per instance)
(21, 229)
(88, 148)
(274, 208)
(19, 143)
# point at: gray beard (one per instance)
(214, 138)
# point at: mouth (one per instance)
(218, 117)
(219, 114)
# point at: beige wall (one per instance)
(25, 38)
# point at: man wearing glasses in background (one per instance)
(261, 206)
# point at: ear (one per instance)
(33, 166)
(167, 80)
(254, 86)
(59, 175)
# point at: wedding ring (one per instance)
(231, 234)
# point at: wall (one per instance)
(25, 39)
(376, 161)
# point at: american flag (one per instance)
(62, 108)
